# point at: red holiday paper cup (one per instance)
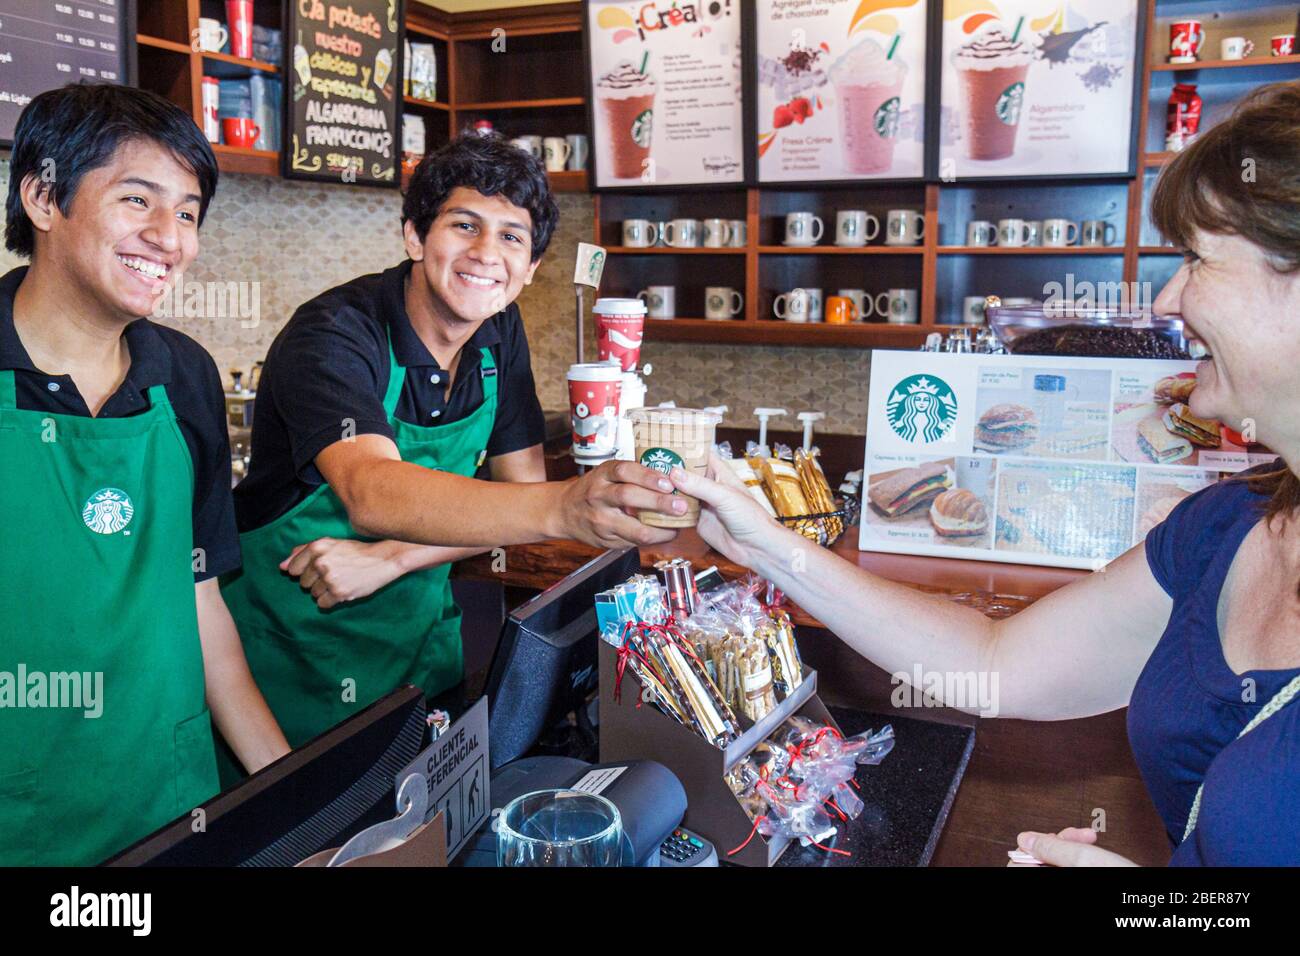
(620, 324)
(594, 391)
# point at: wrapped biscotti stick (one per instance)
(753, 484)
(782, 484)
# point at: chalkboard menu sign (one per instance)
(343, 111)
(45, 44)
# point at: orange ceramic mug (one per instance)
(240, 132)
(840, 310)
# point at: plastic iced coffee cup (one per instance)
(674, 437)
(868, 84)
(991, 72)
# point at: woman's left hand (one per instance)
(1073, 846)
(335, 570)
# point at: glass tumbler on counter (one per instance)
(559, 828)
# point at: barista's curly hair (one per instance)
(491, 165)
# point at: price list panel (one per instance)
(45, 44)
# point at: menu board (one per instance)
(1066, 462)
(666, 92)
(841, 89)
(1037, 87)
(343, 108)
(45, 44)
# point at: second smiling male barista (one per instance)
(378, 402)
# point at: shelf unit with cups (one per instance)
(1220, 83)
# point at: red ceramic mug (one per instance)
(1284, 44)
(1185, 39)
(240, 132)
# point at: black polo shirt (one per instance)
(159, 356)
(328, 370)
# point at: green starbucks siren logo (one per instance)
(1009, 103)
(661, 459)
(886, 118)
(921, 408)
(641, 127)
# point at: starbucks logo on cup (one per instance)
(108, 511)
(886, 118)
(661, 459)
(641, 128)
(1009, 103)
(921, 409)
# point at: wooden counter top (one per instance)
(997, 590)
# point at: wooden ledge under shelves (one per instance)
(568, 180)
(259, 65)
(1224, 64)
(158, 43)
(777, 332)
(427, 104)
(524, 104)
(238, 159)
(1157, 159)
(670, 250)
(1031, 250)
(842, 250)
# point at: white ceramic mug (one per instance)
(212, 35)
(556, 149)
(981, 232)
(1013, 232)
(739, 232)
(717, 233)
(875, 305)
(902, 307)
(814, 304)
(855, 227)
(859, 299)
(904, 227)
(639, 233)
(660, 301)
(1035, 232)
(1235, 48)
(1060, 232)
(681, 233)
(803, 229)
(578, 151)
(722, 302)
(791, 306)
(1097, 232)
(972, 309)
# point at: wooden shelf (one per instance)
(238, 159)
(1031, 250)
(427, 104)
(160, 44)
(1157, 159)
(842, 250)
(776, 332)
(240, 61)
(1224, 64)
(524, 104)
(425, 31)
(568, 181)
(674, 250)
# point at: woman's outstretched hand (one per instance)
(730, 520)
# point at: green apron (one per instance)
(317, 667)
(96, 578)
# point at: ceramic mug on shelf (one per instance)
(739, 233)
(972, 309)
(717, 233)
(1097, 232)
(1283, 44)
(981, 232)
(556, 150)
(640, 233)
(722, 302)
(681, 233)
(1060, 232)
(791, 306)
(212, 35)
(855, 227)
(660, 301)
(242, 132)
(904, 227)
(1185, 39)
(578, 151)
(1013, 233)
(859, 299)
(1235, 48)
(803, 229)
(1035, 232)
(902, 307)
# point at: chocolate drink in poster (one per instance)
(868, 83)
(626, 95)
(991, 71)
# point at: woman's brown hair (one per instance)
(1242, 177)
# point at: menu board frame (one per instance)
(290, 19)
(1037, 439)
(745, 26)
(937, 172)
(930, 121)
(128, 58)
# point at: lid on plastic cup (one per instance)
(673, 416)
(595, 372)
(619, 307)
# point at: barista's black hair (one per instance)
(65, 133)
(492, 166)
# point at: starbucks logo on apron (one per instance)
(108, 511)
(1009, 103)
(641, 127)
(921, 408)
(886, 118)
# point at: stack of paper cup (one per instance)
(593, 405)
(620, 324)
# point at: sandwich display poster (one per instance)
(841, 89)
(1066, 462)
(666, 92)
(1037, 87)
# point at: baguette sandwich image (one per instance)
(1159, 444)
(910, 488)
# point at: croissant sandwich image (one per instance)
(957, 513)
(1174, 388)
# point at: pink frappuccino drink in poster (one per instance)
(868, 85)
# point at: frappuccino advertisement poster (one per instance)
(1037, 87)
(841, 89)
(666, 92)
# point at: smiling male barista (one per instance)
(115, 462)
(378, 402)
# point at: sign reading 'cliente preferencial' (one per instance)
(344, 88)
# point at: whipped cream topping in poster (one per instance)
(841, 89)
(666, 92)
(1037, 87)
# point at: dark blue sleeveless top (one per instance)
(1187, 706)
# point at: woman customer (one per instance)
(1196, 631)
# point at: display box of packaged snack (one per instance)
(1060, 461)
